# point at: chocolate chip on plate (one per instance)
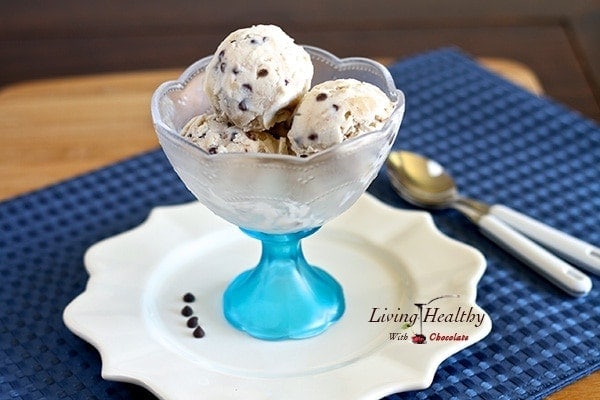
(187, 311)
(199, 332)
(192, 322)
(189, 297)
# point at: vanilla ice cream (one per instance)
(215, 135)
(334, 111)
(257, 76)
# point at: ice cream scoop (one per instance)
(257, 76)
(215, 135)
(336, 110)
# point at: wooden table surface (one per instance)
(57, 120)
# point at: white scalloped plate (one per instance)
(383, 257)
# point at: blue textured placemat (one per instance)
(503, 144)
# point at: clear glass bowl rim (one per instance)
(191, 71)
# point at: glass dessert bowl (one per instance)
(278, 199)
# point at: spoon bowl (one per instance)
(421, 181)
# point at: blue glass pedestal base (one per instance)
(283, 297)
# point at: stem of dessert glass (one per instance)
(283, 297)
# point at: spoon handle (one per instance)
(572, 249)
(545, 263)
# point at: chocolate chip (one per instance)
(247, 86)
(321, 96)
(335, 107)
(243, 106)
(256, 41)
(189, 297)
(187, 311)
(251, 136)
(221, 54)
(222, 67)
(287, 82)
(212, 150)
(262, 73)
(313, 136)
(192, 322)
(235, 70)
(303, 155)
(199, 332)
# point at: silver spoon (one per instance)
(424, 183)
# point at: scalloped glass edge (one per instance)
(325, 57)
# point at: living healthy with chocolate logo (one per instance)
(424, 322)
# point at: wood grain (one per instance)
(56, 129)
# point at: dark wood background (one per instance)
(558, 40)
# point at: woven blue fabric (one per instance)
(503, 145)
